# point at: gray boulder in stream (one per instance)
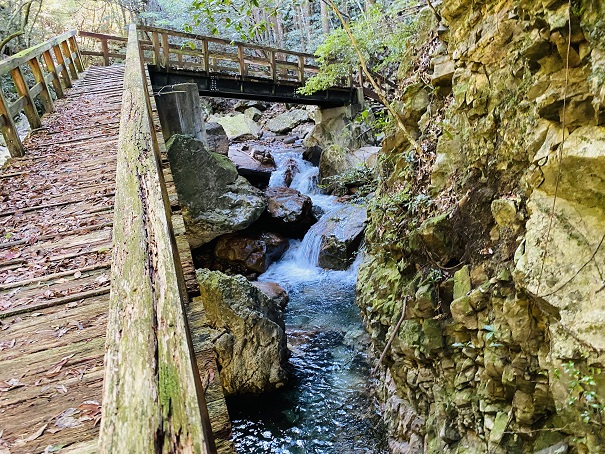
(341, 234)
(250, 333)
(214, 199)
(287, 121)
(288, 211)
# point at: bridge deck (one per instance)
(56, 221)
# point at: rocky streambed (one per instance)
(277, 262)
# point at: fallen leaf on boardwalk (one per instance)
(53, 448)
(66, 420)
(32, 437)
(102, 279)
(11, 384)
(57, 367)
(62, 389)
(78, 274)
(72, 305)
(4, 450)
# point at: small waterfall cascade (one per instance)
(327, 406)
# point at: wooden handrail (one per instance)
(105, 51)
(61, 64)
(214, 39)
(152, 399)
(236, 58)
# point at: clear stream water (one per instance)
(327, 406)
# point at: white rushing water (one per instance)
(327, 407)
(299, 263)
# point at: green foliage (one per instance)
(219, 15)
(381, 37)
(582, 389)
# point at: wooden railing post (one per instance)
(62, 66)
(50, 67)
(75, 53)
(69, 61)
(9, 131)
(47, 99)
(206, 56)
(166, 50)
(155, 39)
(242, 63)
(273, 65)
(23, 90)
(301, 69)
(105, 50)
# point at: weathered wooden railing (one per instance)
(111, 47)
(61, 63)
(179, 50)
(152, 400)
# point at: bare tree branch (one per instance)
(26, 9)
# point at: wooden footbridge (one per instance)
(103, 346)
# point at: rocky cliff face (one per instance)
(487, 246)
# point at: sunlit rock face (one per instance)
(249, 333)
(213, 198)
(487, 246)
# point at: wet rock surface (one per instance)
(341, 232)
(256, 168)
(255, 251)
(288, 210)
(216, 138)
(249, 332)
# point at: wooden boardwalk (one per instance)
(56, 206)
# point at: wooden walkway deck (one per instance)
(56, 206)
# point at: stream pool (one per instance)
(328, 406)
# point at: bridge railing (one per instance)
(152, 398)
(36, 73)
(102, 49)
(188, 51)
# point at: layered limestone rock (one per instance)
(214, 199)
(487, 247)
(249, 336)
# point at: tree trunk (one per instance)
(325, 17)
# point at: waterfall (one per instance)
(299, 263)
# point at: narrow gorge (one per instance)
(480, 215)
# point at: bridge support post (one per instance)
(180, 111)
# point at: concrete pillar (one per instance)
(180, 111)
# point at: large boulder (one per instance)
(255, 167)
(254, 251)
(238, 127)
(288, 211)
(341, 234)
(287, 121)
(216, 138)
(250, 337)
(215, 200)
